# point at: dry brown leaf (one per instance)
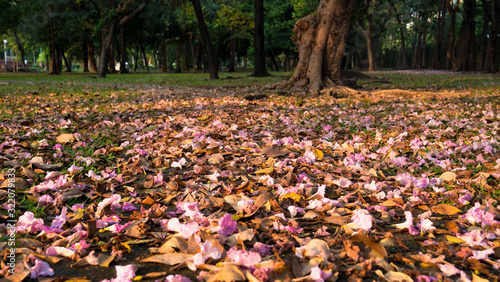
(65, 138)
(395, 276)
(105, 260)
(268, 170)
(315, 248)
(170, 259)
(445, 209)
(228, 273)
(476, 278)
(448, 176)
(273, 152)
(374, 249)
(173, 245)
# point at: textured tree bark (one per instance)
(212, 56)
(258, 41)
(465, 47)
(320, 39)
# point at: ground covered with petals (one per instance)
(186, 184)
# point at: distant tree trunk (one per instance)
(185, 63)
(92, 62)
(178, 57)
(85, 56)
(199, 66)
(144, 58)
(452, 9)
(123, 51)
(102, 67)
(423, 63)
(114, 24)
(484, 36)
(286, 63)
(369, 49)
(401, 37)
(20, 47)
(163, 52)
(112, 57)
(53, 56)
(491, 50)
(232, 52)
(212, 57)
(67, 63)
(465, 47)
(193, 58)
(258, 41)
(436, 60)
(136, 59)
(321, 38)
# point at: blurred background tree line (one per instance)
(113, 36)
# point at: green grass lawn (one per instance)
(434, 80)
(154, 78)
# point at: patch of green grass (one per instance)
(162, 79)
(432, 81)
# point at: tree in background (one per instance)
(466, 51)
(114, 16)
(258, 41)
(372, 18)
(212, 56)
(320, 38)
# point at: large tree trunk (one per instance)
(321, 38)
(258, 41)
(436, 60)
(491, 50)
(212, 56)
(465, 46)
